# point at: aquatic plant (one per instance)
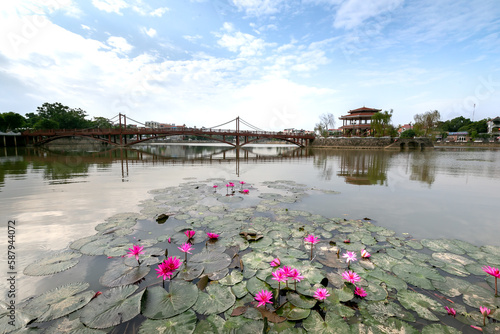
(351, 276)
(212, 236)
(450, 310)
(185, 248)
(485, 312)
(312, 240)
(136, 250)
(264, 297)
(493, 272)
(189, 233)
(321, 294)
(275, 262)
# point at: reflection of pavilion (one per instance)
(364, 168)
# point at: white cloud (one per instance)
(120, 44)
(192, 39)
(352, 13)
(110, 6)
(150, 32)
(259, 7)
(235, 41)
(159, 11)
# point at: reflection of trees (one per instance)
(11, 165)
(423, 167)
(365, 167)
(323, 161)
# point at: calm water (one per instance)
(59, 195)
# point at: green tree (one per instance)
(10, 121)
(64, 116)
(455, 124)
(410, 133)
(101, 123)
(426, 122)
(380, 124)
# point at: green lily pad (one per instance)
(52, 264)
(216, 300)
(160, 304)
(382, 310)
(438, 328)
(292, 312)
(477, 296)
(442, 245)
(233, 278)
(417, 275)
(120, 274)
(423, 305)
(189, 272)
(183, 323)
(333, 324)
(255, 285)
(68, 326)
(112, 307)
(390, 280)
(20, 320)
(59, 302)
(230, 199)
(300, 300)
(452, 286)
(256, 260)
(212, 324)
(211, 261)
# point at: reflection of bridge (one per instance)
(126, 136)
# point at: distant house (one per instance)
(152, 124)
(494, 125)
(458, 137)
(403, 128)
(358, 122)
(158, 125)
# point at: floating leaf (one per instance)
(211, 261)
(160, 304)
(59, 302)
(300, 300)
(452, 287)
(438, 328)
(67, 326)
(256, 260)
(333, 323)
(7, 324)
(417, 275)
(52, 264)
(112, 307)
(382, 310)
(232, 279)
(240, 289)
(292, 312)
(190, 271)
(120, 274)
(421, 304)
(212, 324)
(255, 285)
(216, 300)
(183, 323)
(477, 296)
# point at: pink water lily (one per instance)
(450, 310)
(321, 294)
(264, 297)
(349, 257)
(312, 240)
(493, 272)
(211, 235)
(245, 191)
(365, 254)
(276, 262)
(351, 276)
(186, 248)
(136, 250)
(360, 292)
(485, 312)
(189, 233)
(295, 275)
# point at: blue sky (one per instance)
(275, 63)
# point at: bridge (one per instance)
(127, 136)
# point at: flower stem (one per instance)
(312, 251)
(496, 289)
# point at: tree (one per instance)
(426, 121)
(380, 124)
(455, 124)
(10, 121)
(64, 116)
(410, 133)
(326, 122)
(102, 123)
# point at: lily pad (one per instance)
(120, 274)
(212, 324)
(417, 275)
(68, 326)
(255, 285)
(20, 320)
(161, 304)
(300, 300)
(112, 307)
(333, 323)
(216, 300)
(257, 260)
(423, 305)
(233, 278)
(438, 328)
(58, 302)
(452, 286)
(52, 264)
(211, 261)
(382, 310)
(292, 312)
(183, 323)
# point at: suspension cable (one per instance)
(250, 125)
(221, 124)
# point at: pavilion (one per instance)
(358, 122)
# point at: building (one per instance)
(152, 124)
(358, 122)
(403, 128)
(458, 137)
(494, 125)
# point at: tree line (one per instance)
(51, 116)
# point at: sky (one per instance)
(275, 63)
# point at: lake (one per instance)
(58, 195)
